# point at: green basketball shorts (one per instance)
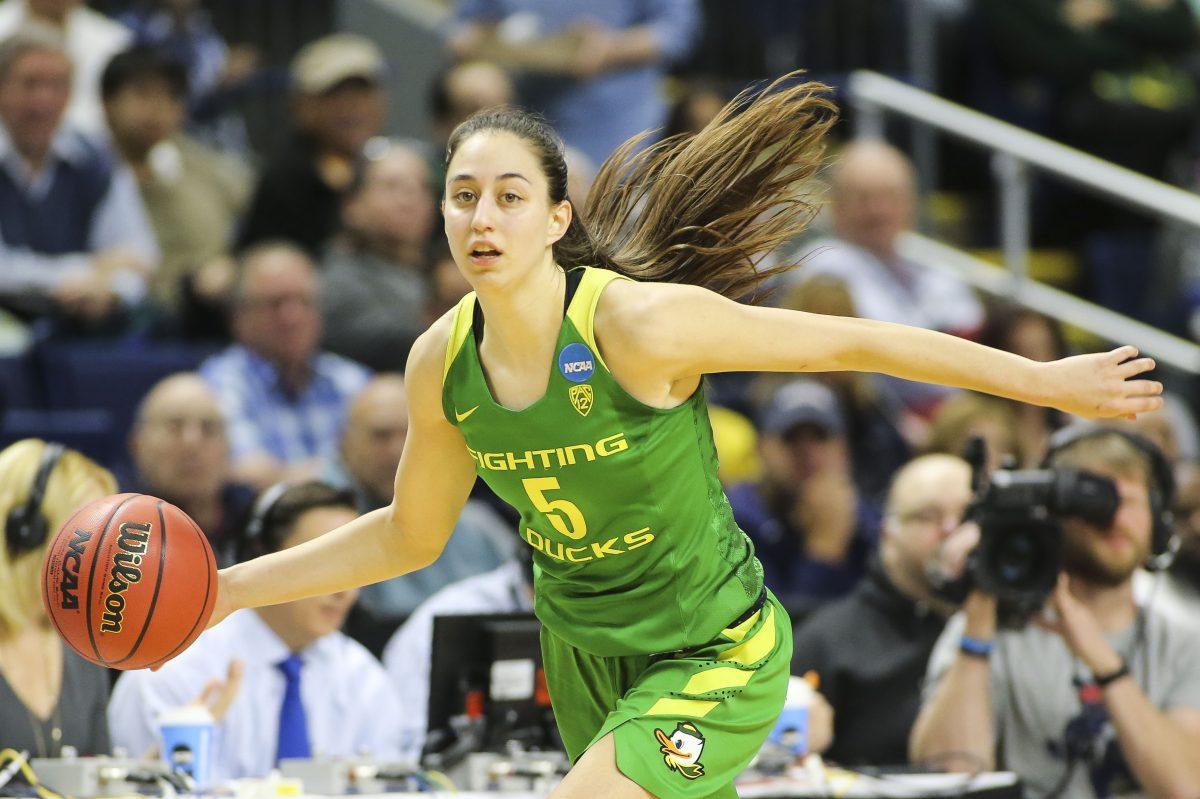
(685, 723)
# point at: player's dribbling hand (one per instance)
(1102, 385)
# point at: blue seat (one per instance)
(19, 384)
(112, 378)
(89, 431)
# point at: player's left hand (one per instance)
(1102, 385)
(1080, 629)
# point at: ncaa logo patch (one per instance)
(576, 362)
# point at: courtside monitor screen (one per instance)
(486, 684)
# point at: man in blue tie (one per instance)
(306, 689)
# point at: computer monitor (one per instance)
(487, 686)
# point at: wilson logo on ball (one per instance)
(69, 584)
(126, 571)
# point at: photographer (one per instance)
(1098, 696)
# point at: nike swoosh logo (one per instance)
(462, 417)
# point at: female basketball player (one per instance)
(575, 393)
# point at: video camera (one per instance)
(1020, 513)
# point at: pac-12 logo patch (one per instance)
(576, 362)
(582, 398)
(681, 749)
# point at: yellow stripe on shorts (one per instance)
(696, 708)
(739, 632)
(717, 679)
(756, 647)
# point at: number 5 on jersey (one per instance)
(563, 514)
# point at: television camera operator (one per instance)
(1083, 692)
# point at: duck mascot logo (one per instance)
(681, 749)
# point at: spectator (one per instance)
(812, 531)
(409, 653)
(89, 38)
(50, 697)
(73, 233)
(283, 398)
(339, 105)
(970, 415)
(1173, 430)
(1100, 697)
(376, 429)
(581, 174)
(348, 706)
(1107, 76)
(698, 103)
(448, 284)
(870, 648)
(192, 194)
(180, 450)
(1180, 585)
(374, 285)
(1037, 337)
(215, 71)
(594, 70)
(878, 426)
(873, 201)
(462, 89)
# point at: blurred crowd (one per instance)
(205, 322)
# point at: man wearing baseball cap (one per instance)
(811, 528)
(338, 104)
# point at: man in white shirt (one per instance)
(297, 665)
(89, 37)
(873, 201)
(507, 589)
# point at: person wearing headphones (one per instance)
(306, 690)
(1100, 695)
(50, 698)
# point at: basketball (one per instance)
(129, 581)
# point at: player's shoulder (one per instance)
(427, 359)
(639, 316)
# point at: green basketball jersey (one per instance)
(636, 550)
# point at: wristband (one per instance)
(975, 647)
(1105, 680)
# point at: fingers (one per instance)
(209, 693)
(1143, 388)
(1136, 366)
(1123, 353)
(228, 690)
(1129, 406)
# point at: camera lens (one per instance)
(1016, 560)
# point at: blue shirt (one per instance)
(263, 417)
(598, 114)
(801, 582)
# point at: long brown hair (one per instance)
(698, 208)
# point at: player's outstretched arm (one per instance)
(432, 484)
(684, 331)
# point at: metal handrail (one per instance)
(1015, 152)
(1055, 303)
(870, 90)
